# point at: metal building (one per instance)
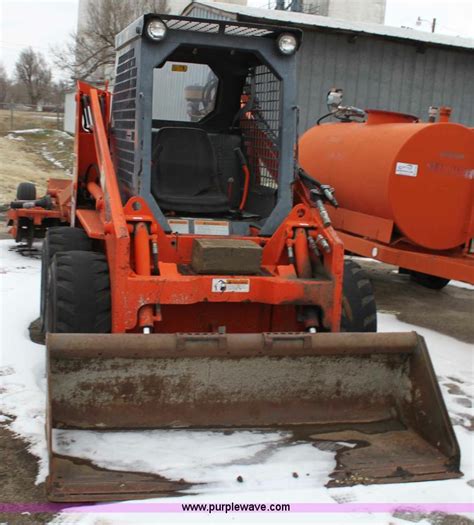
(355, 10)
(379, 67)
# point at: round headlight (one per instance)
(287, 43)
(156, 29)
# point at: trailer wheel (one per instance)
(429, 281)
(26, 191)
(58, 239)
(78, 293)
(359, 311)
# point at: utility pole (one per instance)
(419, 21)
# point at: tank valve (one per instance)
(334, 99)
(444, 113)
(433, 113)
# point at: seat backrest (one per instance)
(184, 162)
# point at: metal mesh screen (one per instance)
(123, 112)
(228, 28)
(260, 124)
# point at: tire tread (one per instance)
(82, 292)
(359, 310)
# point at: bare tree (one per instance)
(5, 84)
(92, 50)
(58, 91)
(33, 72)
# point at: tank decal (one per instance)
(407, 169)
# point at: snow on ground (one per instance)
(460, 284)
(47, 155)
(54, 145)
(57, 132)
(32, 130)
(22, 372)
(265, 460)
(11, 136)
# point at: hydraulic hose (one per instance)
(246, 172)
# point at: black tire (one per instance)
(79, 294)
(359, 311)
(25, 230)
(429, 281)
(58, 239)
(26, 191)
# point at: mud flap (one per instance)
(375, 390)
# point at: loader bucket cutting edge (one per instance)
(377, 390)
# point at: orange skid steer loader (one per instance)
(200, 283)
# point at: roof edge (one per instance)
(246, 13)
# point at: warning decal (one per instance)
(209, 227)
(179, 225)
(231, 285)
(181, 68)
(404, 168)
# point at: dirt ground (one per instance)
(21, 162)
(449, 311)
(24, 158)
(18, 469)
(28, 120)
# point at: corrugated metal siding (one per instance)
(382, 74)
(378, 73)
(169, 90)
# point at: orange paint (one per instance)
(420, 176)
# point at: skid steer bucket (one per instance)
(377, 391)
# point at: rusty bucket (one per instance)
(377, 391)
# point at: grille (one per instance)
(123, 112)
(260, 125)
(227, 28)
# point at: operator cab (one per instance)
(204, 121)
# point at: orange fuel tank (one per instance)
(418, 175)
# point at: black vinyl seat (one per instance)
(184, 172)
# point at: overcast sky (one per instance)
(43, 24)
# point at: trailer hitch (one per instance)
(45, 203)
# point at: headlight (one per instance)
(156, 29)
(287, 43)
